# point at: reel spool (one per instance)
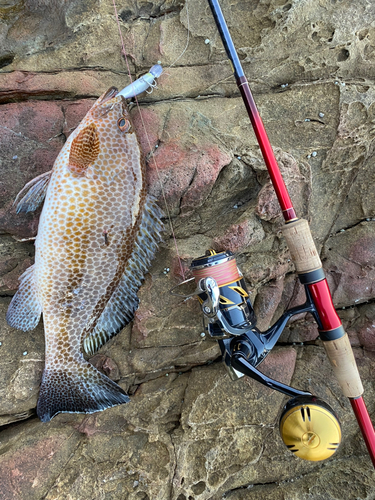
(233, 301)
(309, 428)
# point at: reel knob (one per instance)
(309, 428)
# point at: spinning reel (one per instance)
(308, 426)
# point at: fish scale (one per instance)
(97, 234)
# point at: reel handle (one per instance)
(241, 364)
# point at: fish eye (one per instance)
(123, 124)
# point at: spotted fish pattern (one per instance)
(97, 234)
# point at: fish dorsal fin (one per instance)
(84, 149)
(33, 193)
(120, 309)
(25, 309)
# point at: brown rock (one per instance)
(26, 85)
(35, 461)
(15, 258)
(197, 434)
(239, 236)
(266, 303)
(348, 260)
(184, 168)
(360, 322)
(21, 365)
(106, 365)
(296, 177)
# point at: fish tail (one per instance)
(78, 389)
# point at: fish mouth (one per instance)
(110, 94)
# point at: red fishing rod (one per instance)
(304, 255)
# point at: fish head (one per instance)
(110, 107)
(105, 138)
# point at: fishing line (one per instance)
(188, 36)
(152, 157)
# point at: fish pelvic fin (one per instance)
(80, 388)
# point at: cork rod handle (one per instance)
(301, 245)
(341, 357)
(339, 351)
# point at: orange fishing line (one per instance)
(224, 273)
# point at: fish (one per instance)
(98, 232)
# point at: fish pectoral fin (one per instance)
(32, 194)
(25, 309)
(120, 309)
(80, 388)
(84, 150)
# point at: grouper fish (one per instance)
(97, 234)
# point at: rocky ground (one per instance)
(189, 432)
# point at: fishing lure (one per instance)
(143, 83)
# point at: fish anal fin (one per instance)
(84, 149)
(32, 194)
(81, 390)
(25, 309)
(120, 309)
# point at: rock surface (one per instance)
(189, 432)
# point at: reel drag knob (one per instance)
(309, 428)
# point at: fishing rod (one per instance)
(231, 319)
